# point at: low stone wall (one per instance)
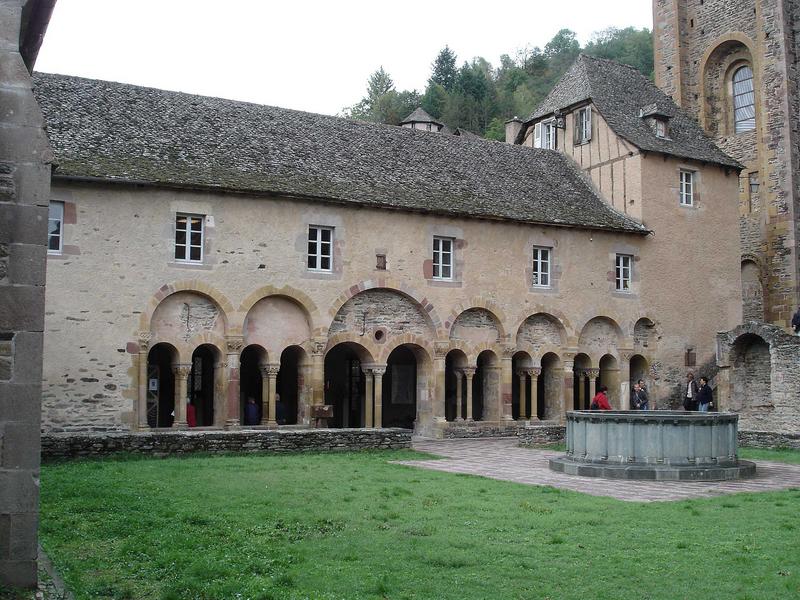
(73, 445)
(481, 429)
(541, 435)
(768, 439)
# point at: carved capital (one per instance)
(181, 371)
(469, 372)
(234, 344)
(379, 371)
(269, 370)
(535, 372)
(592, 373)
(626, 356)
(318, 347)
(440, 349)
(508, 350)
(145, 337)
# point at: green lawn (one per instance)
(786, 455)
(355, 526)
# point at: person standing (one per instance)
(639, 399)
(690, 394)
(704, 395)
(251, 412)
(600, 400)
(796, 322)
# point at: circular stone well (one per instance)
(654, 444)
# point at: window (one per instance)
(744, 100)
(661, 128)
(623, 272)
(442, 258)
(583, 125)
(545, 135)
(541, 267)
(753, 186)
(320, 248)
(686, 191)
(55, 228)
(189, 238)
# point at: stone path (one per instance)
(502, 458)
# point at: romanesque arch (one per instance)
(276, 322)
(380, 314)
(600, 335)
(751, 379)
(477, 326)
(539, 333)
(187, 319)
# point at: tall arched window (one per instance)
(744, 102)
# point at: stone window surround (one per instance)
(457, 235)
(728, 67)
(195, 208)
(446, 253)
(542, 240)
(635, 280)
(318, 240)
(322, 217)
(59, 217)
(697, 181)
(188, 242)
(70, 218)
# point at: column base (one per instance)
(232, 424)
(178, 425)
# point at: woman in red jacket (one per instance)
(600, 401)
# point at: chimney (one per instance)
(513, 127)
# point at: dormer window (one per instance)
(545, 135)
(657, 118)
(661, 128)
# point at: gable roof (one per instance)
(619, 92)
(419, 116)
(120, 132)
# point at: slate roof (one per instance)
(619, 92)
(419, 116)
(114, 131)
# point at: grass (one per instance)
(353, 525)
(786, 455)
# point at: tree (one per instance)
(629, 46)
(444, 70)
(434, 100)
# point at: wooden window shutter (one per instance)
(588, 123)
(537, 135)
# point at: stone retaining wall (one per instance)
(67, 445)
(481, 429)
(539, 435)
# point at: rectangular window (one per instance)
(541, 267)
(583, 125)
(623, 272)
(189, 238)
(687, 188)
(661, 128)
(443, 258)
(55, 228)
(320, 248)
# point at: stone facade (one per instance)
(759, 378)
(698, 48)
(69, 446)
(24, 193)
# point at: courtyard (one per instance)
(415, 524)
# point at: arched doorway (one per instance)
(548, 405)
(521, 390)
(485, 386)
(581, 382)
(400, 389)
(609, 377)
(161, 385)
(289, 384)
(201, 386)
(345, 384)
(253, 357)
(454, 389)
(752, 379)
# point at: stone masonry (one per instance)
(24, 195)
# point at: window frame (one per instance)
(188, 245)
(686, 187)
(60, 234)
(739, 124)
(623, 282)
(318, 254)
(583, 125)
(537, 274)
(438, 254)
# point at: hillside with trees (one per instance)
(480, 97)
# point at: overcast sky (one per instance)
(300, 54)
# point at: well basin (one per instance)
(655, 444)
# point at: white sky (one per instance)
(303, 54)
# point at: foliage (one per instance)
(480, 97)
(353, 525)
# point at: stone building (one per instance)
(24, 192)
(732, 65)
(204, 252)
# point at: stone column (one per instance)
(233, 400)
(625, 383)
(439, 398)
(144, 346)
(378, 372)
(592, 374)
(469, 373)
(272, 378)
(181, 373)
(523, 394)
(505, 386)
(581, 389)
(534, 375)
(221, 393)
(318, 373)
(264, 370)
(369, 400)
(568, 395)
(723, 400)
(459, 416)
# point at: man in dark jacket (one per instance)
(704, 395)
(639, 398)
(796, 322)
(690, 393)
(251, 416)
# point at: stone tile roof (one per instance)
(419, 116)
(619, 92)
(114, 131)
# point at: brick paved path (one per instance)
(503, 459)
